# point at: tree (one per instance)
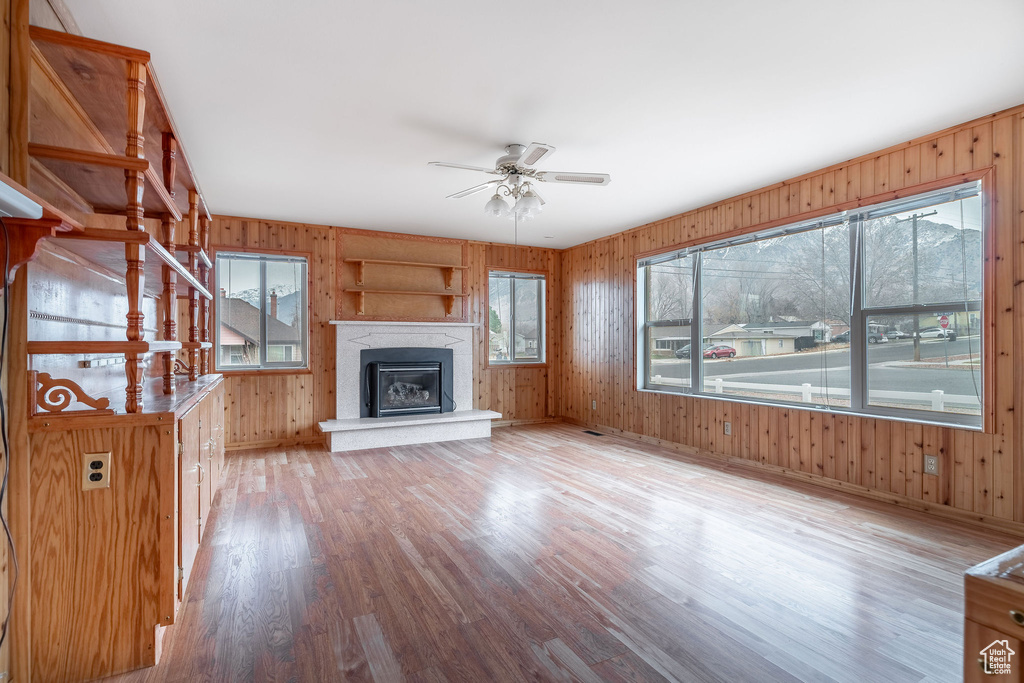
(495, 321)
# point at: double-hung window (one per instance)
(261, 311)
(876, 310)
(516, 317)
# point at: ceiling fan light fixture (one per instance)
(530, 203)
(496, 206)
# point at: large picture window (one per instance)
(873, 311)
(261, 311)
(516, 317)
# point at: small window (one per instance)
(516, 327)
(261, 311)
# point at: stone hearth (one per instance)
(348, 431)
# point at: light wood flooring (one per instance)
(549, 554)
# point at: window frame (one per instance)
(858, 210)
(265, 367)
(542, 315)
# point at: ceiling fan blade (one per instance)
(463, 166)
(534, 153)
(473, 190)
(575, 178)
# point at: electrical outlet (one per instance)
(728, 428)
(95, 471)
(593, 405)
(931, 464)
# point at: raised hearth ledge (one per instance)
(402, 430)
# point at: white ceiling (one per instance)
(327, 111)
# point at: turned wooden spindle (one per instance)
(204, 305)
(170, 304)
(170, 162)
(193, 294)
(135, 280)
(135, 181)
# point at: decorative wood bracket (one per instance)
(54, 395)
(25, 235)
(181, 367)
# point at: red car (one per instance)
(719, 351)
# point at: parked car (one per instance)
(873, 338)
(719, 351)
(896, 335)
(937, 333)
(683, 351)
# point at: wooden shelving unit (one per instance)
(101, 141)
(91, 100)
(448, 297)
(448, 270)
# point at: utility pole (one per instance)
(917, 318)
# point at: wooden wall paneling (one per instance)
(1018, 289)
(1002, 326)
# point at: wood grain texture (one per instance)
(980, 472)
(102, 543)
(549, 554)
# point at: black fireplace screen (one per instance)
(403, 389)
(406, 381)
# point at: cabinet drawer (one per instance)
(995, 604)
(978, 639)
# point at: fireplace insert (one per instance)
(406, 381)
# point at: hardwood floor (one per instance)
(550, 554)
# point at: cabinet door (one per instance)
(219, 436)
(188, 495)
(204, 446)
(215, 462)
(980, 641)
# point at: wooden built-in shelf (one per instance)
(94, 245)
(65, 347)
(183, 251)
(447, 268)
(102, 186)
(79, 125)
(449, 297)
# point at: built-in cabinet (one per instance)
(119, 436)
(994, 619)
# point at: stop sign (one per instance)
(943, 321)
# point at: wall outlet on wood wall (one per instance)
(728, 428)
(593, 405)
(931, 464)
(95, 471)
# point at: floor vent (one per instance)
(592, 432)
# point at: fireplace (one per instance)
(406, 381)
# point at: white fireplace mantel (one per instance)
(350, 432)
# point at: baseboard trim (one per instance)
(274, 443)
(973, 518)
(516, 423)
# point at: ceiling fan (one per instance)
(517, 170)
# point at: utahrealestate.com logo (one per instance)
(996, 657)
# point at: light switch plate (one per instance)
(95, 471)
